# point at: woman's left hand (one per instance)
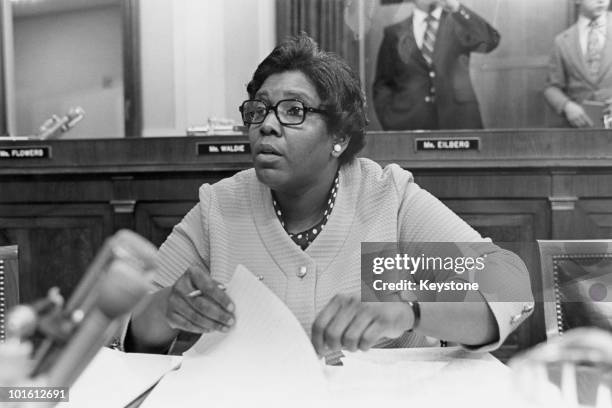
(347, 323)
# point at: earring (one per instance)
(337, 148)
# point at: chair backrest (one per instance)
(9, 283)
(577, 284)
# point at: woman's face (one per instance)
(296, 157)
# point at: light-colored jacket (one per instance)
(568, 77)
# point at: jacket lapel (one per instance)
(334, 237)
(407, 45)
(274, 237)
(606, 58)
(575, 55)
(443, 27)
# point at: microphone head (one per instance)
(129, 274)
(128, 245)
(21, 321)
(125, 246)
(122, 288)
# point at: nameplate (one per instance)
(428, 145)
(30, 152)
(222, 148)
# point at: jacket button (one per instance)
(432, 74)
(302, 272)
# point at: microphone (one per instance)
(117, 279)
(53, 127)
(121, 290)
(22, 320)
(124, 245)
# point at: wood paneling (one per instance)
(590, 218)
(532, 152)
(56, 243)
(155, 220)
(325, 21)
(514, 225)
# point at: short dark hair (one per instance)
(337, 84)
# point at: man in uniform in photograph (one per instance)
(422, 76)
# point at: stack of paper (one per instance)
(265, 358)
(114, 378)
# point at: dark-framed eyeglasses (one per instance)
(287, 111)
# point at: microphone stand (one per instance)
(117, 279)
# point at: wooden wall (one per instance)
(518, 187)
(3, 96)
(510, 80)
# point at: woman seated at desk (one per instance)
(297, 221)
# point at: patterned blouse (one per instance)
(305, 238)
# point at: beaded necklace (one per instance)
(304, 239)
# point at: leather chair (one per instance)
(9, 283)
(577, 283)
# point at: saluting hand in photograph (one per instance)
(450, 5)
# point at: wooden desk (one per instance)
(521, 185)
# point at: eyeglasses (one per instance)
(287, 111)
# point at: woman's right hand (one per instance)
(211, 310)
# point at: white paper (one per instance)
(422, 376)
(114, 378)
(266, 358)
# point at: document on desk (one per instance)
(435, 376)
(267, 360)
(114, 378)
(265, 357)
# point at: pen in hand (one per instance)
(198, 292)
(194, 293)
(225, 326)
(197, 295)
